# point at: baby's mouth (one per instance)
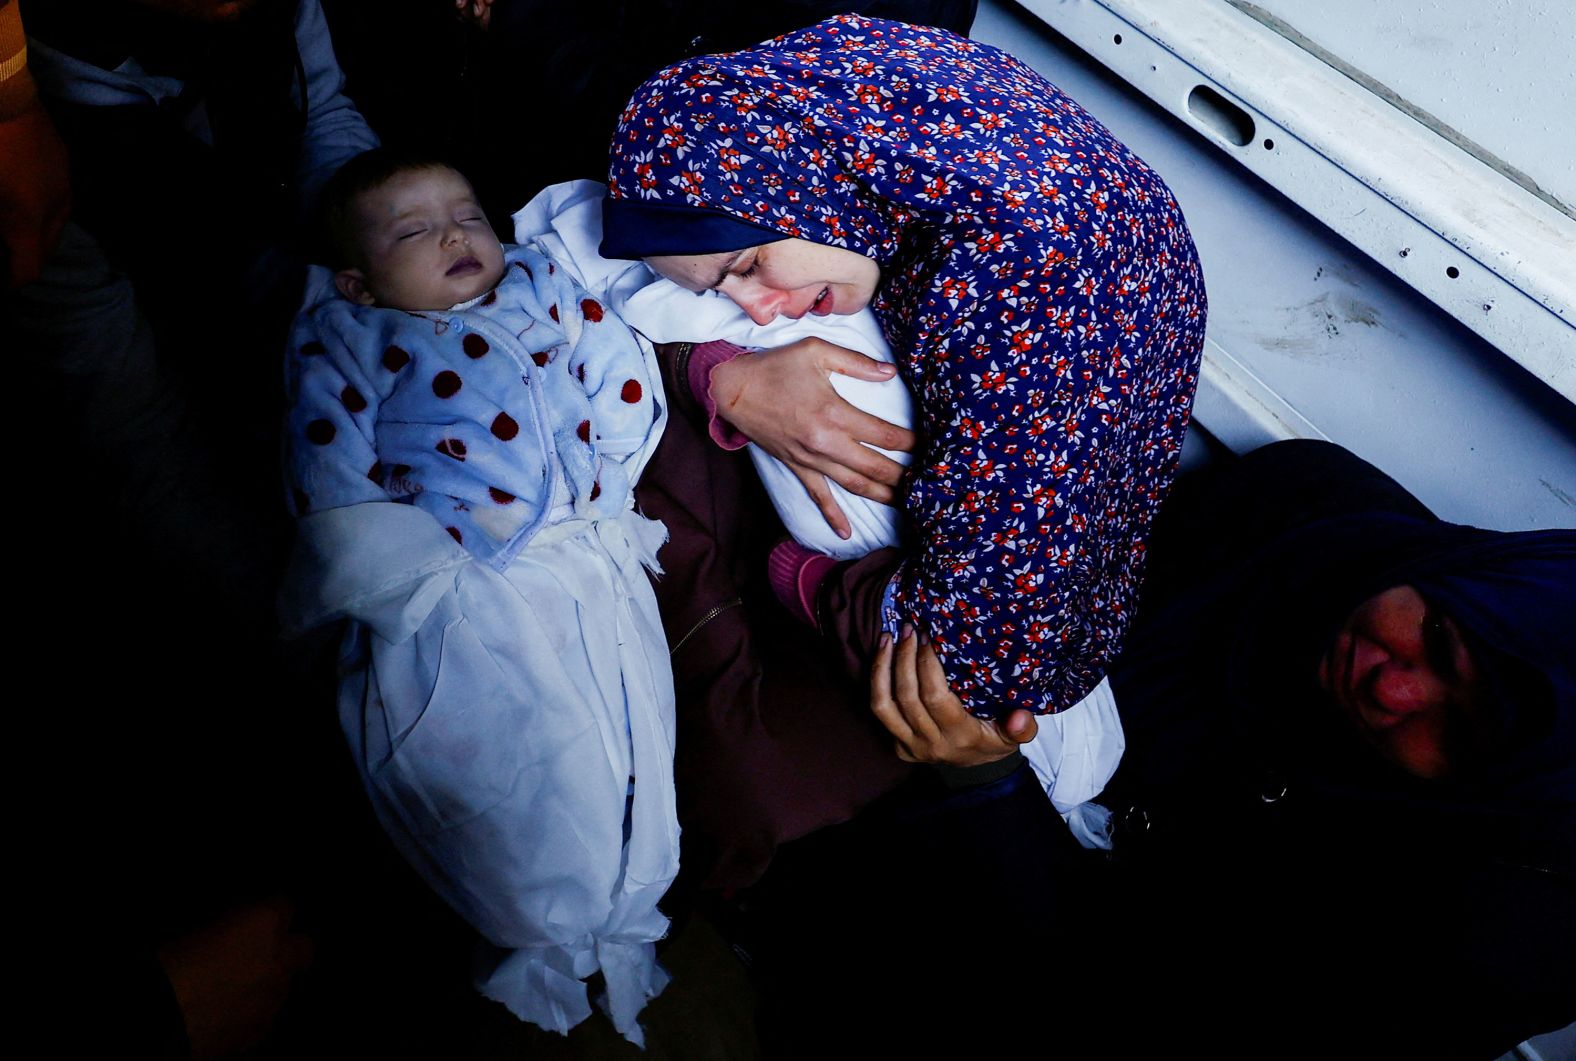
(464, 266)
(823, 303)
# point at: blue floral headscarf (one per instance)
(1039, 288)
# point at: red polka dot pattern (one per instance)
(631, 391)
(405, 373)
(446, 384)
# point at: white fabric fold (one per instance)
(1077, 750)
(501, 720)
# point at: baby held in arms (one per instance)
(1077, 749)
(465, 428)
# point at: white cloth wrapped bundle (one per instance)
(505, 686)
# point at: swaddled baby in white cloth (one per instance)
(1076, 750)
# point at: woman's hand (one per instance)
(909, 694)
(783, 400)
(476, 12)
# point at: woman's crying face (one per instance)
(790, 278)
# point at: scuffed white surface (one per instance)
(1351, 348)
(1499, 72)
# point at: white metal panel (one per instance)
(1498, 74)
(1485, 249)
(1308, 335)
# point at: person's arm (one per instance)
(335, 130)
(35, 189)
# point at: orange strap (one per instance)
(16, 84)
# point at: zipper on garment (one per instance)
(704, 619)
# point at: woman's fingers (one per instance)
(814, 484)
(881, 702)
(905, 687)
(476, 11)
(860, 430)
(864, 426)
(933, 687)
(850, 363)
(910, 697)
(874, 431)
(1020, 727)
(856, 479)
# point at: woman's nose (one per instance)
(1397, 677)
(761, 304)
(1404, 689)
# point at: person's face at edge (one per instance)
(424, 244)
(1401, 672)
(215, 11)
(789, 278)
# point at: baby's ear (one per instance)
(353, 285)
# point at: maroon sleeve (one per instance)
(775, 735)
(697, 369)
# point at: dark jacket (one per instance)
(1339, 903)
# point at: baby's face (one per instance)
(424, 244)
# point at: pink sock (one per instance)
(795, 574)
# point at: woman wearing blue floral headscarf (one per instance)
(1035, 279)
